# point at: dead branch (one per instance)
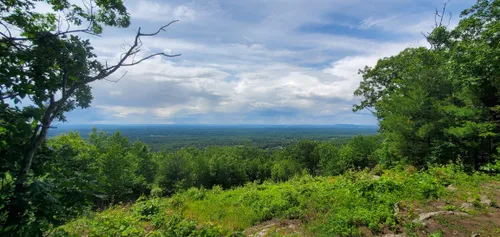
(441, 15)
(117, 80)
(161, 29)
(150, 56)
(108, 70)
(133, 50)
(7, 29)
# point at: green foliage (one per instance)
(119, 163)
(120, 221)
(440, 104)
(493, 167)
(146, 209)
(328, 206)
(106, 169)
(285, 169)
(358, 153)
(50, 67)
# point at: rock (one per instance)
(467, 206)
(474, 235)
(395, 235)
(425, 216)
(396, 209)
(451, 188)
(264, 231)
(485, 200)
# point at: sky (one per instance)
(254, 61)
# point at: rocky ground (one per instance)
(462, 214)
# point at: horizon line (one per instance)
(216, 124)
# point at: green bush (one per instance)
(328, 206)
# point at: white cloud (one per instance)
(164, 89)
(121, 111)
(166, 112)
(161, 11)
(249, 61)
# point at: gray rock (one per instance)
(451, 188)
(467, 206)
(485, 200)
(395, 235)
(424, 216)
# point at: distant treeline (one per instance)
(175, 137)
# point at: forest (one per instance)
(431, 170)
(173, 137)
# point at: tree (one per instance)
(117, 166)
(441, 103)
(146, 168)
(303, 152)
(66, 175)
(173, 173)
(328, 155)
(46, 61)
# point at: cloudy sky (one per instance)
(254, 61)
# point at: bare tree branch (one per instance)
(161, 29)
(117, 80)
(443, 12)
(108, 70)
(4, 96)
(424, 34)
(441, 15)
(134, 49)
(6, 28)
(150, 56)
(370, 110)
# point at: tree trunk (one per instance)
(16, 207)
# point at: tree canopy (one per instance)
(441, 103)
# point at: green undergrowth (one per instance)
(327, 206)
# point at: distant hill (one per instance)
(171, 137)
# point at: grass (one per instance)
(344, 205)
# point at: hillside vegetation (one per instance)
(353, 204)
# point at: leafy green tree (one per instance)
(408, 106)
(359, 153)
(226, 167)
(441, 103)
(46, 61)
(475, 115)
(66, 175)
(173, 173)
(329, 159)
(303, 152)
(117, 166)
(146, 167)
(285, 169)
